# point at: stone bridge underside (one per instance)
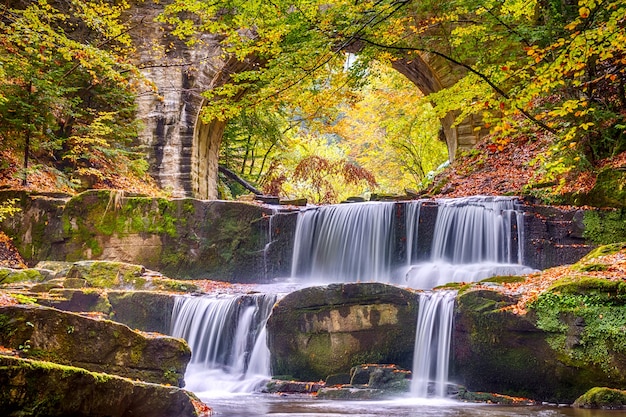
(183, 151)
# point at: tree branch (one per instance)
(468, 68)
(230, 174)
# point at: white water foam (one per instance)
(227, 338)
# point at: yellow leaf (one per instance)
(584, 12)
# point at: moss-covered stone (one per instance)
(78, 300)
(319, 331)
(604, 227)
(9, 275)
(43, 389)
(106, 274)
(585, 318)
(601, 397)
(571, 340)
(508, 279)
(96, 345)
(144, 310)
(608, 249)
(183, 238)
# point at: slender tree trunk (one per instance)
(245, 157)
(26, 155)
(258, 177)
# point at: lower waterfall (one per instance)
(472, 239)
(432, 344)
(227, 338)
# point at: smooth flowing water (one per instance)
(344, 243)
(432, 344)
(473, 239)
(226, 335)
(257, 405)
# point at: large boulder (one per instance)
(35, 388)
(568, 342)
(601, 397)
(319, 331)
(96, 345)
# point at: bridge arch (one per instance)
(183, 151)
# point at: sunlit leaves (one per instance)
(68, 85)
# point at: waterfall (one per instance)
(474, 238)
(432, 344)
(412, 228)
(226, 335)
(344, 243)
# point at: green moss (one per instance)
(585, 319)
(605, 227)
(600, 397)
(8, 276)
(509, 279)
(24, 299)
(603, 250)
(176, 285)
(105, 274)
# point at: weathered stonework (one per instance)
(183, 150)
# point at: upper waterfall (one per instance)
(344, 243)
(473, 238)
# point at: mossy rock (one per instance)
(80, 300)
(319, 331)
(43, 389)
(600, 251)
(107, 274)
(144, 310)
(508, 279)
(604, 227)
(553, 353)
(600, 397)
(97, 345)
(609, 291)
(11, 276)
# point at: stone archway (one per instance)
(183, 151)
(432, 73)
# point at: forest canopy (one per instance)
(529, 67)
(319, 111)
(67, 90)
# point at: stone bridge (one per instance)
(183, 151)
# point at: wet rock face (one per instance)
(319, 331)
(495, 350)
(95, 345)
(182, 238)
(46, 389)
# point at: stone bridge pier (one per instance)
(182, 149)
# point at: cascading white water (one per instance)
(432, 344)
(412, 215)
(226, 335)
(344, 243)
(474, 238)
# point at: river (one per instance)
(257, 405)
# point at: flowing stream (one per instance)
(473, 239)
